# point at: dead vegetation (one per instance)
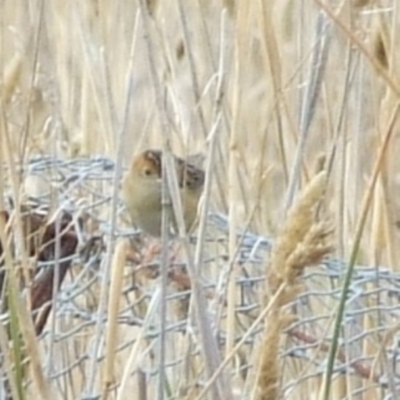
(295, 105)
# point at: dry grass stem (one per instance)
(117, 268)
(272, 92)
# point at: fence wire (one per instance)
(369, 344)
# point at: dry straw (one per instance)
(118, 264)
(304, 241)
(82, 78)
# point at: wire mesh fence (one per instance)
(369, 344)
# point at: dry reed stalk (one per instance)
(12, 76)
(188, 383)
(272, 54)
(19, 307)
(25, 324)
(94, 72)
(87, 128)
(302, 242)
(387, 179)
(360, 226)
(369, 350)
(141, 385)
(69, 50)
(369, 323)
(392, 84)
(133, 360)
(194, 77)
(233, 180)
(117, 269)
(287, 17)
(268, 375)
(2, 156)
(381, 237)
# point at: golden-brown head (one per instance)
(148, 165)
(142, 190)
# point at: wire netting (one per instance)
(368, 348)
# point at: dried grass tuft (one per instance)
(291, 243)
(304, 241)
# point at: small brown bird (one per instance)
(142, 190)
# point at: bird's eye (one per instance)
(147, 171)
